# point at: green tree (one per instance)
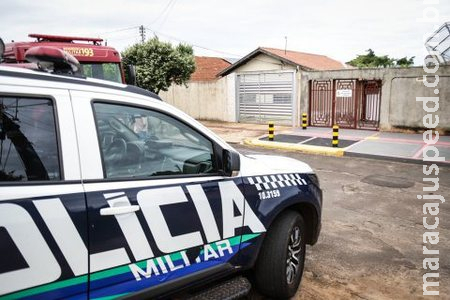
(371, 60)
(405, 62)
(159, 64)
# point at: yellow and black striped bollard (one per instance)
(304, 120)
(271, 131)
(335, 141)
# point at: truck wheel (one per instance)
(279, 267)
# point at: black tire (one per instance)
(271, 269)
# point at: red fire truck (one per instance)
(97, 60)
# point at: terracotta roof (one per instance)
(207, 68)
(306, 61)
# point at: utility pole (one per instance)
(142, 33)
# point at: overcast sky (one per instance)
(340, 29)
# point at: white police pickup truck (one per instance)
(107, 192)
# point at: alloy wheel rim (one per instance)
(293, 255)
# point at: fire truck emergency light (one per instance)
(53, 60)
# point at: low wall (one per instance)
(205, 100)
(400, 87)
(216, 100)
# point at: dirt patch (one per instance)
(365, 287)
(238, 132)
(388, 181)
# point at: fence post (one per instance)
(304, 120)
(271, 131)
(335, 141)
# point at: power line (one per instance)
(192, 44)
(162, 12)
(142, 33)
(134, 36)
(208, 49)
(161, 24)
(118, 30)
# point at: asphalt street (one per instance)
(372, 232)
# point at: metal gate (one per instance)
(321, 103)
(345, 103)
(349, 103)
(266, 97)
(369, 112)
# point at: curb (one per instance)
(328, 151)
(395, 159)
(297, 147)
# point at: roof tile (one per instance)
(207, 68)
(308, 60)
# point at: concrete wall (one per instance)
(205, 100)
(400, 88)
(216, 100)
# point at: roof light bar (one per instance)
(53, 60)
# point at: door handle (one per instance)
(119, 210)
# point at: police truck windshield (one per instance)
(106, 71)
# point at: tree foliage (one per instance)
(405, 61)
(371, 60)
(159, 64)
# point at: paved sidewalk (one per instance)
(237, 133)
(316, 140)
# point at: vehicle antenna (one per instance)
(285, 45)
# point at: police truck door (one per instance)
(43, 234)
(159, 210)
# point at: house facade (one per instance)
(276, 85)
(267, 83)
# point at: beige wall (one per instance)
(263, 62)
(205, 100)
(216, 100)
(405, 111)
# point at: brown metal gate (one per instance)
(345, 104)
(369, 112)
(321, 103)
(349, 103)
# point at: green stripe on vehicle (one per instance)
(174, 257)
(125, 269)
(111, 297)
(236, 240)
(248, 237)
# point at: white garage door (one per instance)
(266, 97)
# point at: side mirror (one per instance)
(231, 162)
(131, 75)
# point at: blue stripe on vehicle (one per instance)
(122, 282)
(131, 285)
